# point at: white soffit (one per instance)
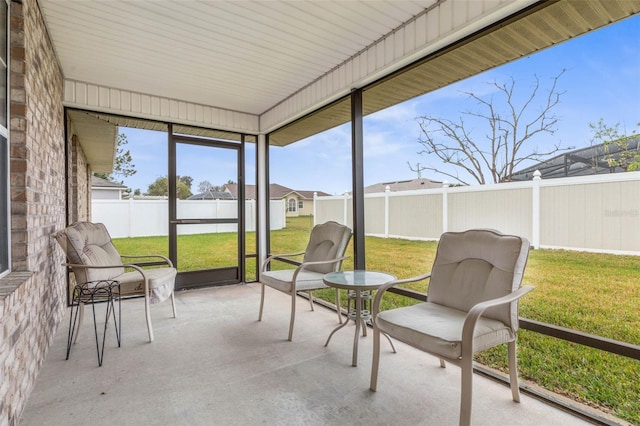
(97, 139)
(243, 56)
(539, 27)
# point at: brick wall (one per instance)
(79, 183)
(32, 297)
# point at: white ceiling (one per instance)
(285, 67)
(240, 55)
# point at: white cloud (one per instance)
(395, 115)
(384, 144)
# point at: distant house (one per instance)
(102, 189)
(591, 160)
(297, 202)
(403, 185)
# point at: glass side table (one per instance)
(359, 284)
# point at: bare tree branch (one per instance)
(510, 124)
(456, 177)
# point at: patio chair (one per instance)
(324, 254)
(93, 258)
(472, 305)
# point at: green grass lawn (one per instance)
(589, 292)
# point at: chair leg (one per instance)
(147, 311)
(338, 309)
(100, 348)
(117, 322)
(311, 299)
(73, 325)
(513, 370)
(80, 315)
(261, 302)
(466, 366)
(376, 360)
(442, 363)
(173, 304)
(393, 348)
(293, 314)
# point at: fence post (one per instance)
(387, 191)
(216, 209)
(445, 206)
(130, 218)
(535, 215)
(315, 203)
(345, 216)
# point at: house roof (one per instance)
(212, 195)
(276, 192)
(278, 61)
(580, 162)
(99, 183)
(308, 195)
(403, 185)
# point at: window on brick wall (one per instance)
(5, 243)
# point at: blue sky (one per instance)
(602, 80)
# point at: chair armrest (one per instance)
(304, 265)
(122, 265)
(141, 271)
(322, 262)
(477, 310)
(278, 256)
(376, 300)
(81, 266)
(148, 256)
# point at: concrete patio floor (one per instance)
(217, 365)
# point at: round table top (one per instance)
(358, 279)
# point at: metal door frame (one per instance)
(206, 277)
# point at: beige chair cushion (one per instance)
(328, 241)
(282, 280)
(88, 243)
(437, 329)
(478, 265)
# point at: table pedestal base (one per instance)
(361, 316)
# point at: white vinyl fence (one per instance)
(138, 218)
(599, 213)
